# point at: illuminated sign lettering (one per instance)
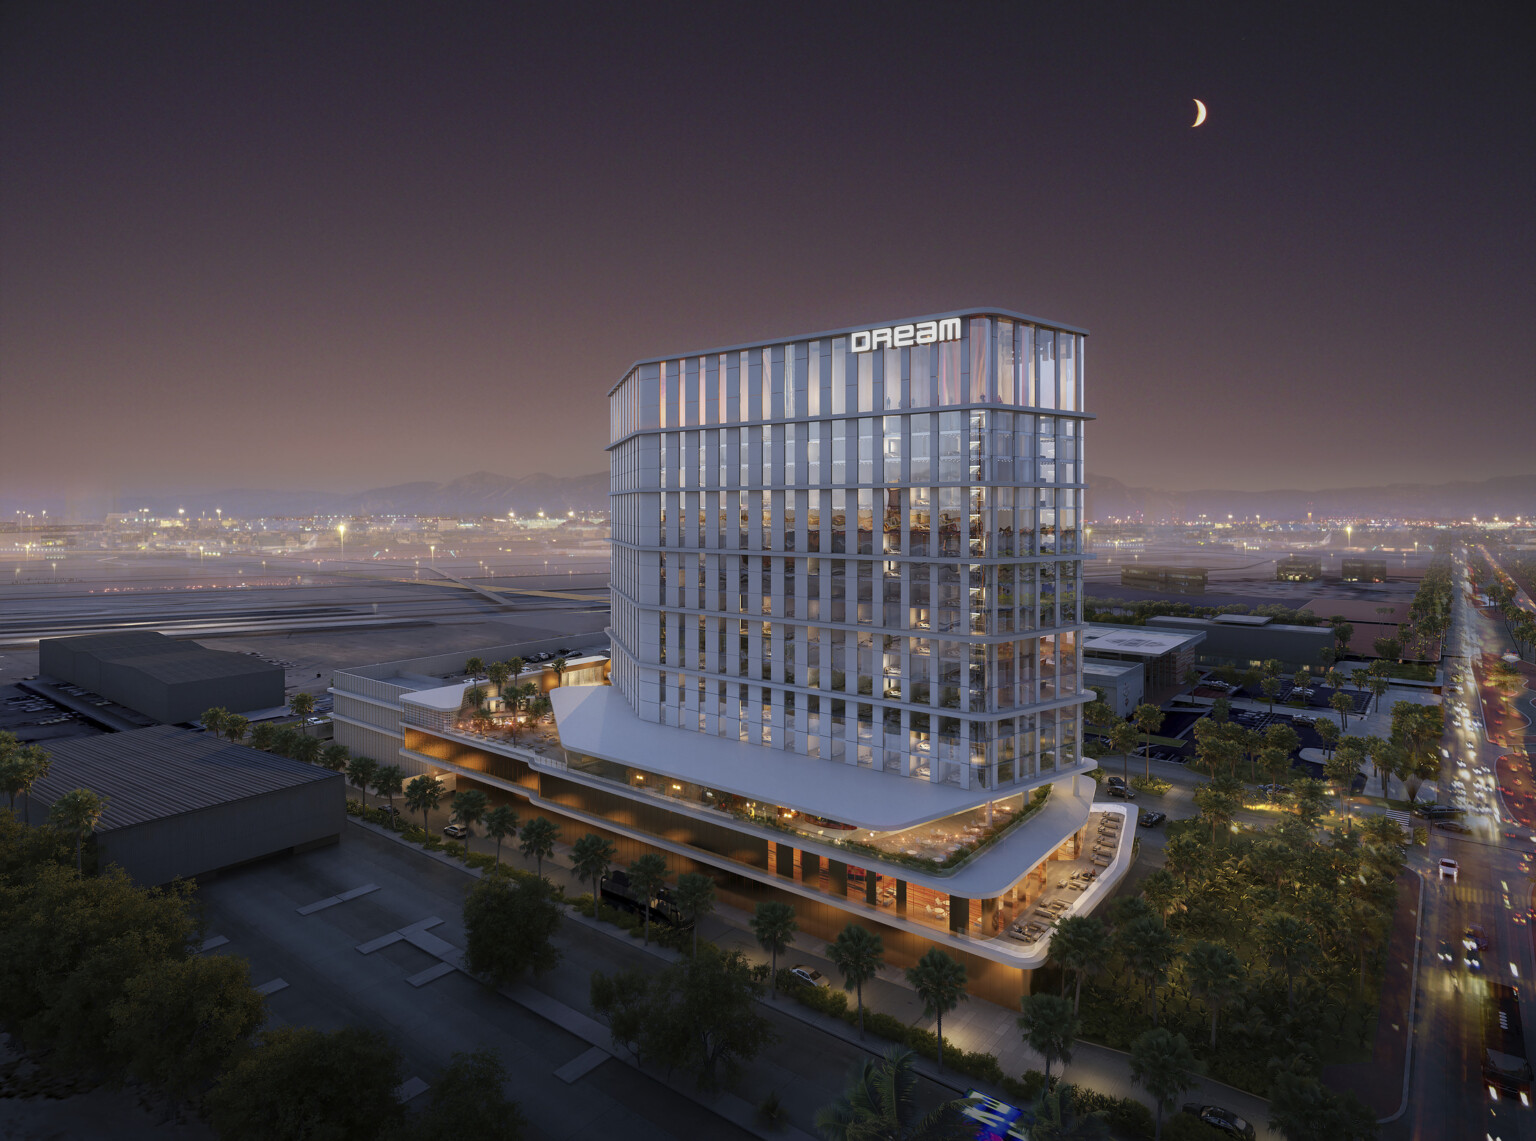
(904, 336)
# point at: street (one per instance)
(1447, 1094)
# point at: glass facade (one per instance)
(868, 557)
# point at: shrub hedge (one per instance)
(834, 1002)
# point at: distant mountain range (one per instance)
(485, 493)
(1505, 496)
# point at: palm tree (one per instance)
(1214, 973)
(1148, 949)
(1162, 890)
(646, 877)
(538, 841)
(497, 673)
(21, 767)
(302, 705)
(474, 667)
(1271, 688)
(1330, 733)
(1079, 944)
(474, 697)
(422, 795)
(284, 740)
(469, 809)
(360, 772)
(591, 857)
(940, 983)
(306, 749)
(774, 925)
(858, 954)
(235, 726)
(334, 757)
(213, 720)
(514, 667)
(1050, 1028)
(1149, 719)
(695, 899)
(78, 811)
(1122, 739)
(263, 736)
(1160, 1064)
(558, 665)
(1342, 704)
(1057, 1120)
(388, 782)
(881, 1102)
(1289, 943)
(500, 823)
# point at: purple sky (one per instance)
(340, 246)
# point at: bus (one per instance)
(616, 891)
(1506, 1069)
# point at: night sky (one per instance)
(344, 245)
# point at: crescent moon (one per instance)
(1199, 113)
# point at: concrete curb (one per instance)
(1413, 1004)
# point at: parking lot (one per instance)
(36, 720)
(315, 975)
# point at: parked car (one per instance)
(1151, 819)
(455, 831)
(810, 976)
(1223, 1120)
(1120, 791)
(1449, 869)
(389, 810)
(1115, 782)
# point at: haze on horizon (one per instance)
(284, 246)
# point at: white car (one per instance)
(810, 976)
(1449, 869)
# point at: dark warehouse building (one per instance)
(181, 803)
(164, 678)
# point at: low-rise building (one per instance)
(181, 803)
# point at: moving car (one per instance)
(1120, 792)
(1223, 1120)
(1446, 954)
(810, 976)
(1475, 938)
(1453, 826)
(1436, 811)
(455, 831)
(1449, 869)
(1151, 819)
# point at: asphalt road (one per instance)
(1447, 1096)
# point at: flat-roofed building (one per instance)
(1363, 570)
(1245, 640)
(181, 803)
(1298, 568)
(1164, 655)
(1164, 579)
(170, 680)
(1121, 681)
